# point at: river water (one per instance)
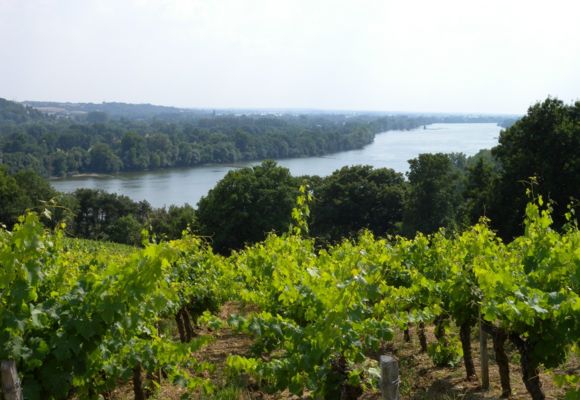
(390, 149)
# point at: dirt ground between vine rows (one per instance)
(420, 379)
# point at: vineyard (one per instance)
(80, 320)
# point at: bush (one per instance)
(446, 353)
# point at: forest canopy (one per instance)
(95, 142)
(67, 139)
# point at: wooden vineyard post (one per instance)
(390, 378)
(11, 388)
(484, 357)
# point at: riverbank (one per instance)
(391, 149)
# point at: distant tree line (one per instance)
(53, 146)
(537, 154)
(98, 112)
(74, 138)
(15, 113)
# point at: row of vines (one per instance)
(79, 322)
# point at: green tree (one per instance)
(35, 187)
(543, 144)
(97, 117)
(434, 193)
(102, 159)
(97, 211)
(170, 223)
(479, 191)
(58, 164)
(22, 191)
(355, 198)
(12, 198)
(134, 152)
(125, 229)
(246, 205)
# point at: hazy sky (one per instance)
(404, 55)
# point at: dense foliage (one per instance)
(97, 144)
(21, 191)
(356, 198)
(78, 322)
(541, 148)
(323, 312)
(435, 193)
(14, 113)
(246, 205)
(98, 215)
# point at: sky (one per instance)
(465, 56)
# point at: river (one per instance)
(390, 149)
